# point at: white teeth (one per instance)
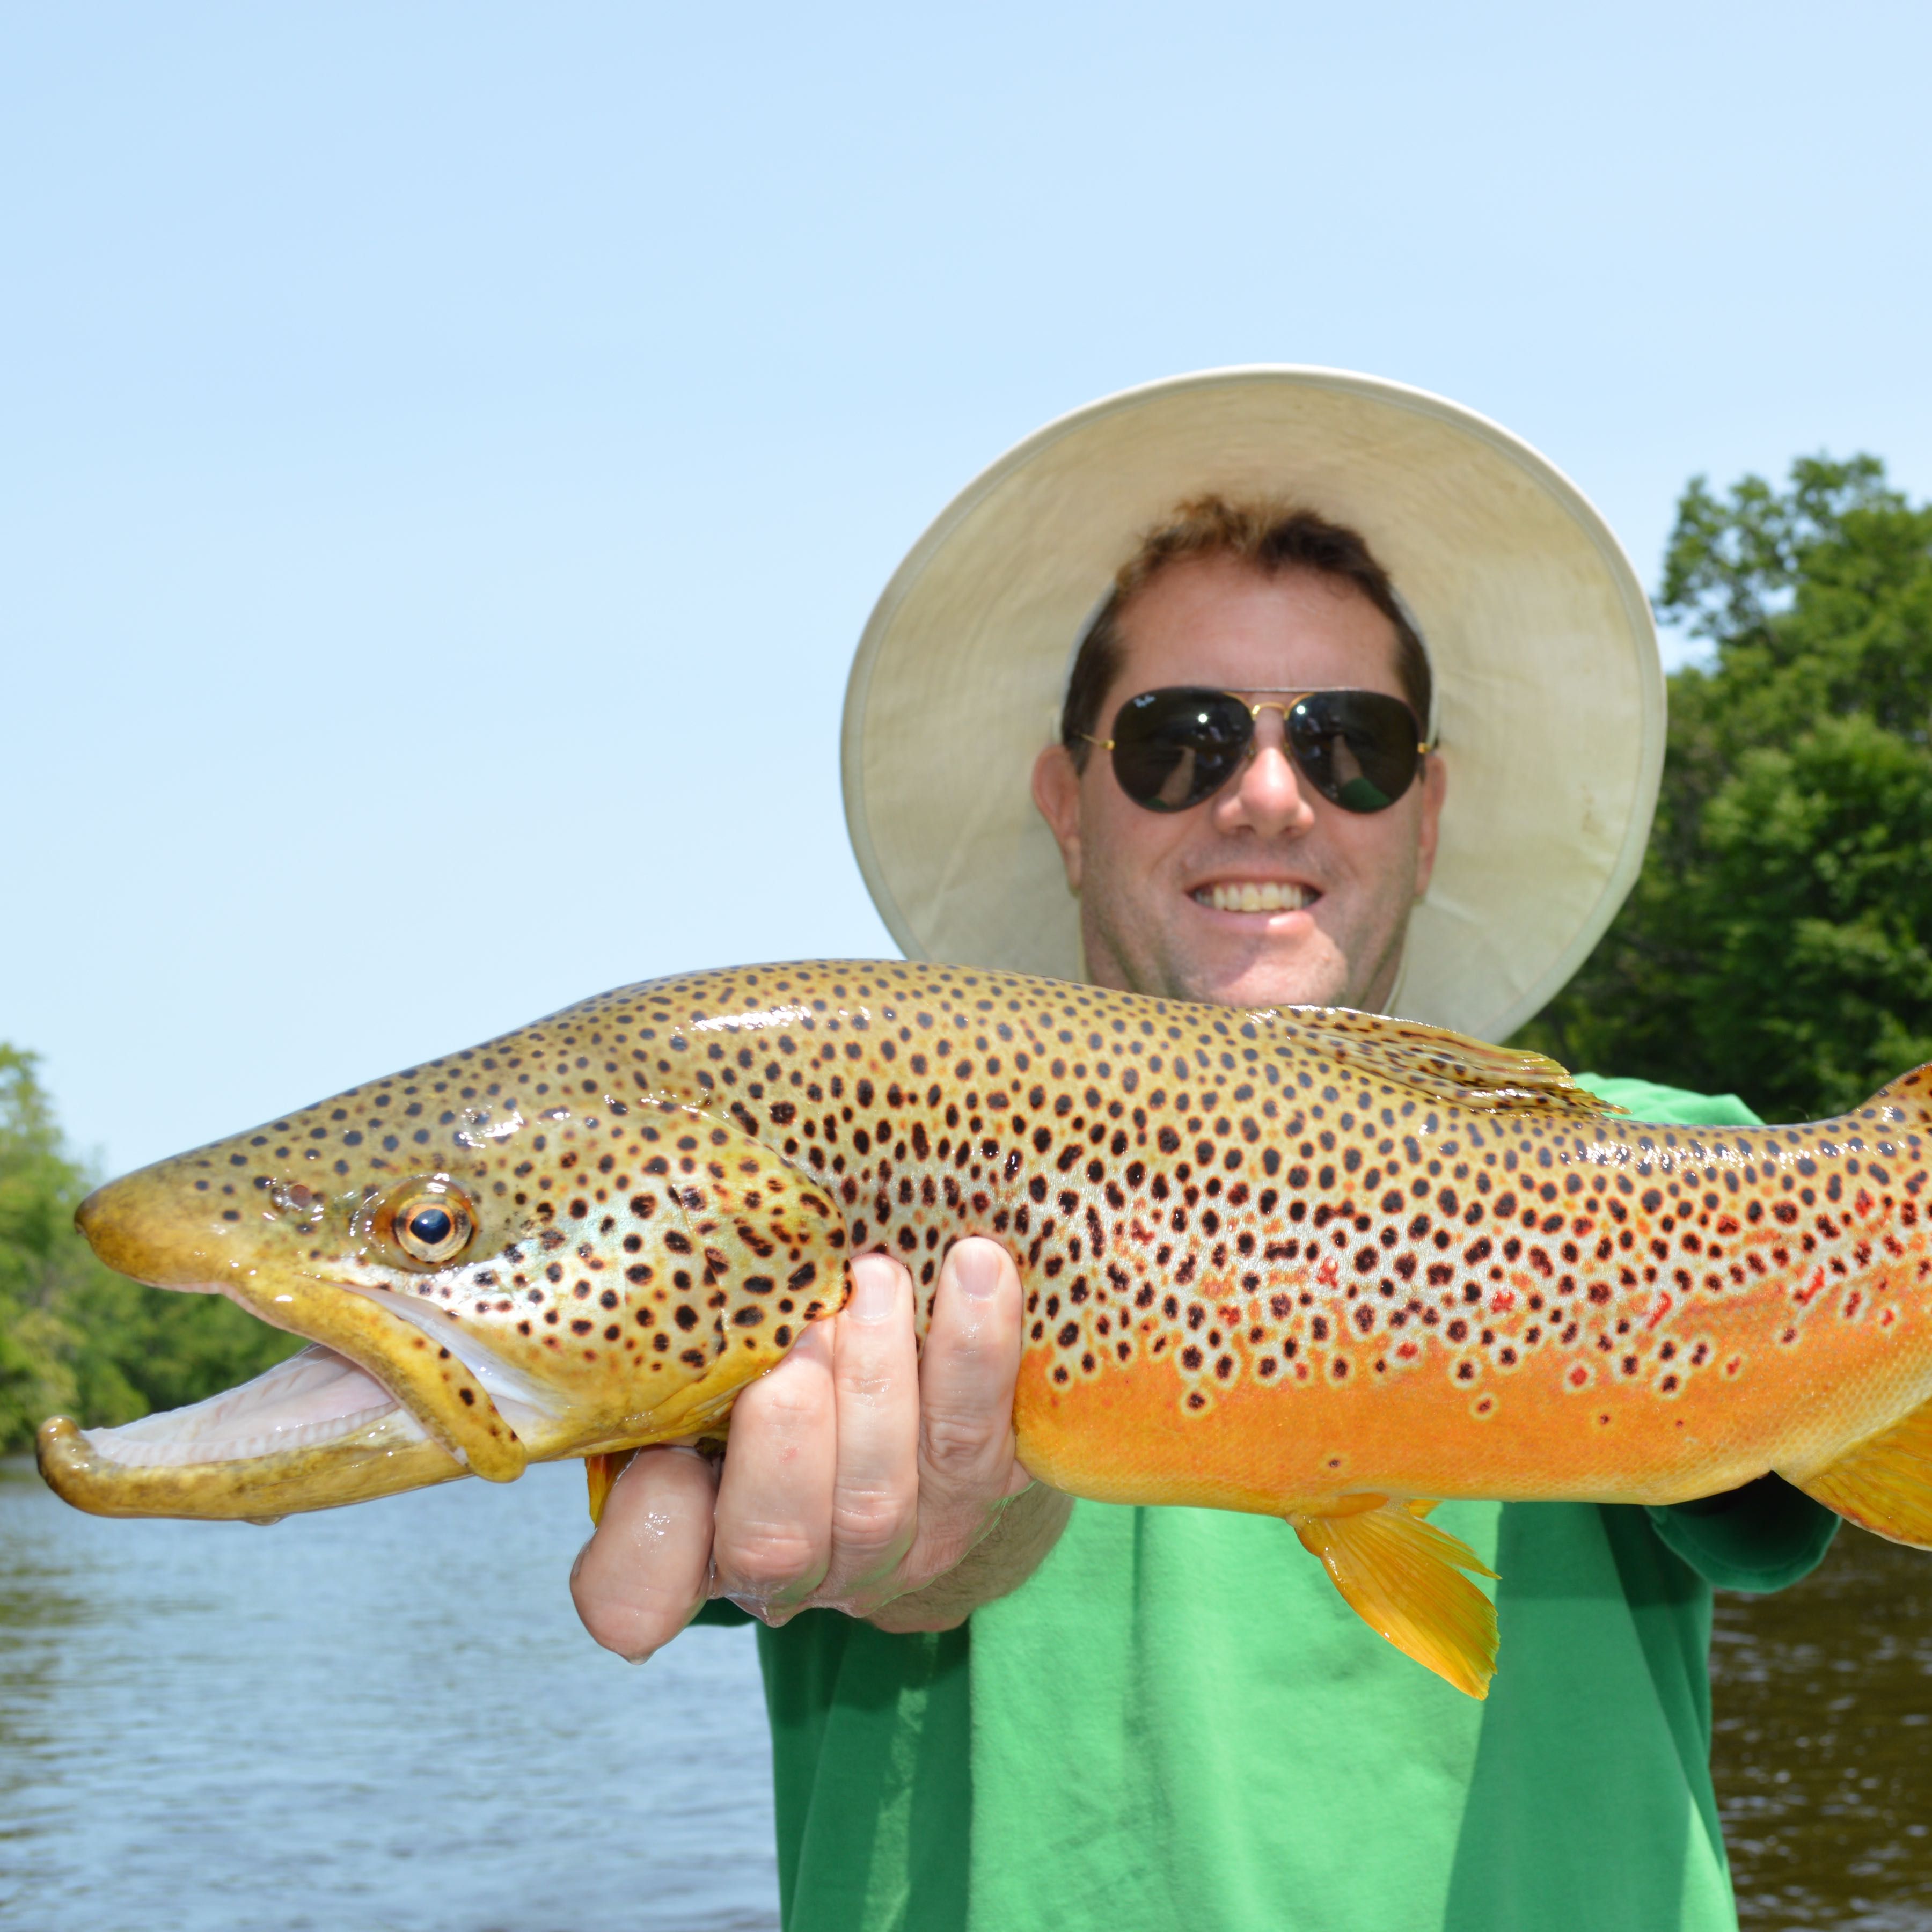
(311, 1398)
(1251, 897)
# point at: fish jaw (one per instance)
(310, 1433)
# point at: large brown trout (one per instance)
(1309, 1263)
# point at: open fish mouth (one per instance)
(313, 1433)
(313, 1398)
(385, 1386)
(317, 1430)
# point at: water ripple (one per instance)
(383, 1719)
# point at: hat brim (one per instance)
(1550, 694)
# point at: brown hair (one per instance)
(1269, 537)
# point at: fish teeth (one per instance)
(1254, 895)
(313, 1397)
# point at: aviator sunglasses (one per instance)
(1173, 748)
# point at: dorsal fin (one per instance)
(1908, 1099)
(1441, 1065)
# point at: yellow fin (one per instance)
(601, 1472)
(1885, 1484)
(1441, 1065)
(1402, 1577)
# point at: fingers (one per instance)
(641, 1577)
(875, 1499)
(857, 1471)
(972, 1361)
(972, 1358)
(774, 1504)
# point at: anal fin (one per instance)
(1885, 1483)
(1403, 1577)
(601, 1473)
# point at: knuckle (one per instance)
(787, 1403)
(874, 1520)
(962, 1440)
(769, 1559)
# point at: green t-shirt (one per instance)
(1177, 1723)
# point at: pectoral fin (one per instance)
(1884, 1484)
(1402, 1577)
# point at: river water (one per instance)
(1822, 1709)
(386, 1719)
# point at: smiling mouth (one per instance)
(1256, 895)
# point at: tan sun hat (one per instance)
(1550, 693)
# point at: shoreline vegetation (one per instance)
(1778, 944)
(76, 1339)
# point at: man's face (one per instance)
(1343, 882)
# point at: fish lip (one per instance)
(383, 1457)
(273, 1462)
(504, 1383)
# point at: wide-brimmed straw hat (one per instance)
(1549, 695)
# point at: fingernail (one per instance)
(874, 1292)
(975, 1268)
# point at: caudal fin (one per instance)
(1403, 1578)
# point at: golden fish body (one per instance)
(1305, 1263)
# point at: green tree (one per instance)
(1776, 945)
(77, 1339)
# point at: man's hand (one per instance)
(861, 1476)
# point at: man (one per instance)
(1166, 1717)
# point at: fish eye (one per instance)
(433, 1227)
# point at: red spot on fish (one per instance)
(1579, 1375)
(1502, 1301)
(1664, 1305)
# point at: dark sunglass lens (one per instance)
(1358, 748)
(1174, 748)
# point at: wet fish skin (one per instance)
(1311, 1264)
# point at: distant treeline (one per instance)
(1775, 947)
(75, 1339)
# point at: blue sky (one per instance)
(449, 452)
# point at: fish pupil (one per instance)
(431, 1226)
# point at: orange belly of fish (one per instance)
(1126, 1436)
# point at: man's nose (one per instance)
(1266, 795)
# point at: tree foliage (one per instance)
(1776, 945)
(77, 1339)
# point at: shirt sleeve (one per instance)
(1767, 1534)
(721, 1614)
(1761, 1538)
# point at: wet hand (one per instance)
(859, 1471)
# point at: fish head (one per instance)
(483, 1286)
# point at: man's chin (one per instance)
(1306, 977)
